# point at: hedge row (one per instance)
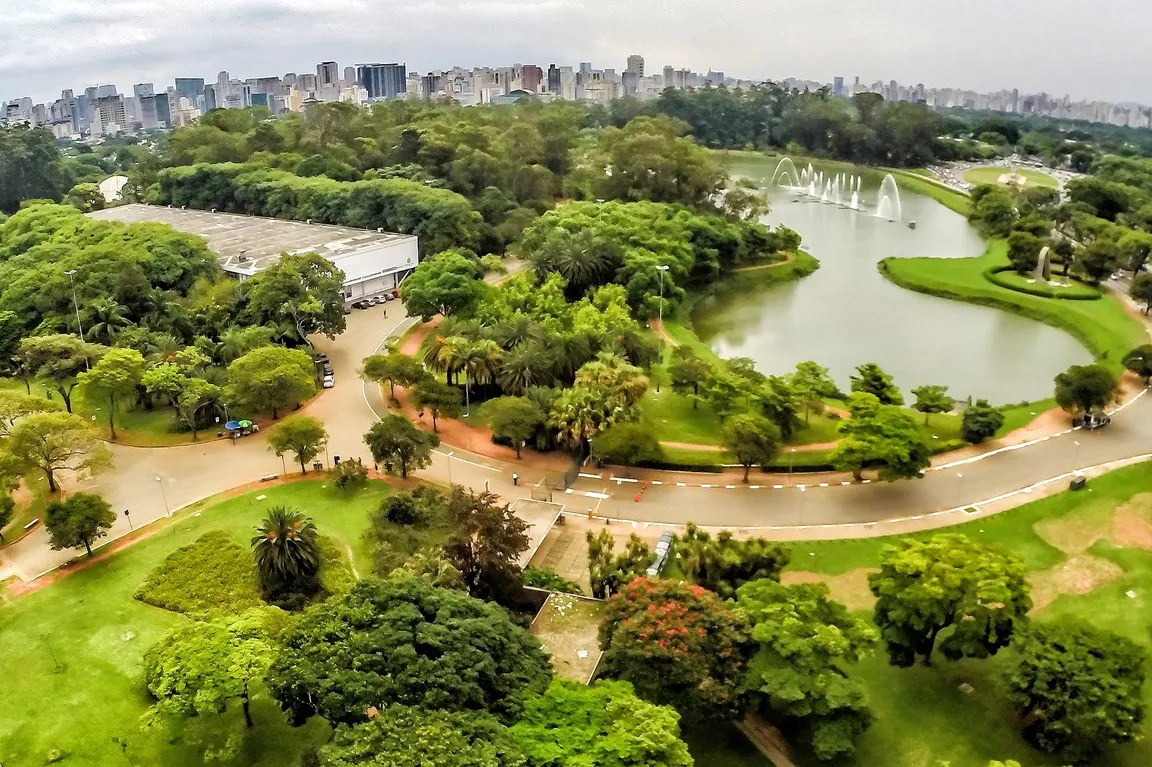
(1076, 292)
(439, 217)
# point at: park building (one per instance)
(373, 262)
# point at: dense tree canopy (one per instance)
(405, 642)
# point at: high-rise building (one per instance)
(635, 65)
(327, 73)
(164, 103)
(211, 98)
(149, 119)
(349, 75)
(531, 77)
(190, 88)
(307, 83)
(838, 86)
(106, 91)
(554, 79)
(143, 89)
(382, 81)
(109, 114)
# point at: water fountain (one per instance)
(1043, 271)
(786, 170)
(889, 205)
(855, 203)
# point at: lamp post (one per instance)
(660, 336)
(164, 495)
(76, 306)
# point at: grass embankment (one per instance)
(1104, 326)
(78, 646)
(1085, 552)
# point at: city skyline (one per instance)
(144, 41)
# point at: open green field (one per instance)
(992, 174)
(1103, 326)
(77, 645)
(1070, 538)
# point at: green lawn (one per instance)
(1103, 326)
(921, 714)
(992, 174)
(78, 645)
(1074, 290)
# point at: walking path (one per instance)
(154, 482)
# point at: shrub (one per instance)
(335, 569)
(543, 578)
(349, 474)
(214, 575)
(1074, 292)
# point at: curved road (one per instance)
(797, 508)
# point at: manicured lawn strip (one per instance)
(98, 633)
(1020, 415)
(1103, 326)
(991, 175)
(1073, 291)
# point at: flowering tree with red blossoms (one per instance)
(678, 644)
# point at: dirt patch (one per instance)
(850, 588)
(1077, 575)
(567, 627)
(1132, 523)
(1076, 532)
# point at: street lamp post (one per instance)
(164, 495)
(76, 306)
(660, 336)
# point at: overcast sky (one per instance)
(1096, 50)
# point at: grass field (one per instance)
(1103, 326)
(1073, 290)
(922, 715)
(78, 645)
(992, 174)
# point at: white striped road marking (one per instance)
(681, 484)
(589, 476)
(729, 487)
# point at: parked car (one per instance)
(1096, 420)
(347, 309)
(360, 304)
(329, 382)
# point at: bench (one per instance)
(31, 524)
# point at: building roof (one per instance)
(247, 244)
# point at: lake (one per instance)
(847, 313)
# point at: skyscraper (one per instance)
(635, 65)
(350, 75)
(190, 88)
(553, 79)
(382, 81)
(142, 89)
(530, 77)
(838, 86)
(327, 73)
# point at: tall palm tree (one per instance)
(480, 361)
(582, 258)
(517, 331)
(106, 318)
(571, 352)
(286, 548)
(444, 354)
(526, 365)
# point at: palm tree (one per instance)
(517, 331)
(444, 354)
(583, 259)
(571, 352)
(480, 361)
(106, 318)
(525, 366)
(287, 549)
(578, 414)
(163, 349)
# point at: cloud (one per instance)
(1055, 45)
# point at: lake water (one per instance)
(846, 313)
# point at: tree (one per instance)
(438, 398)
(884, 435)
(1024, 251)
(85, 197)
(924, 587)
(115, 375)
(1139, 361)
(286, 548)
(1098, 259)
(404, 736)
(305, 292)
(77, 521)
(626, 444)
(811, 385)
(805, 639)
(931, 399)
(55, 442)
(515, 419)
(1084, 388)
(870, 379)
(371, 646)
(271, 378)
(303, 436)
(581, 412)
(724, 564)
(447, 283)
(980, 422)
(602, 724)
(752, 438)
(395, 368)
(485, 545)
(107, 318)
(607, 574)
(15, 405)
(1078, 688)
(198, 669)
(59, 358)
(1141, 290)
(398, 445)
(31, 166)
(195, 395)
(688, 371)
(678, 644)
